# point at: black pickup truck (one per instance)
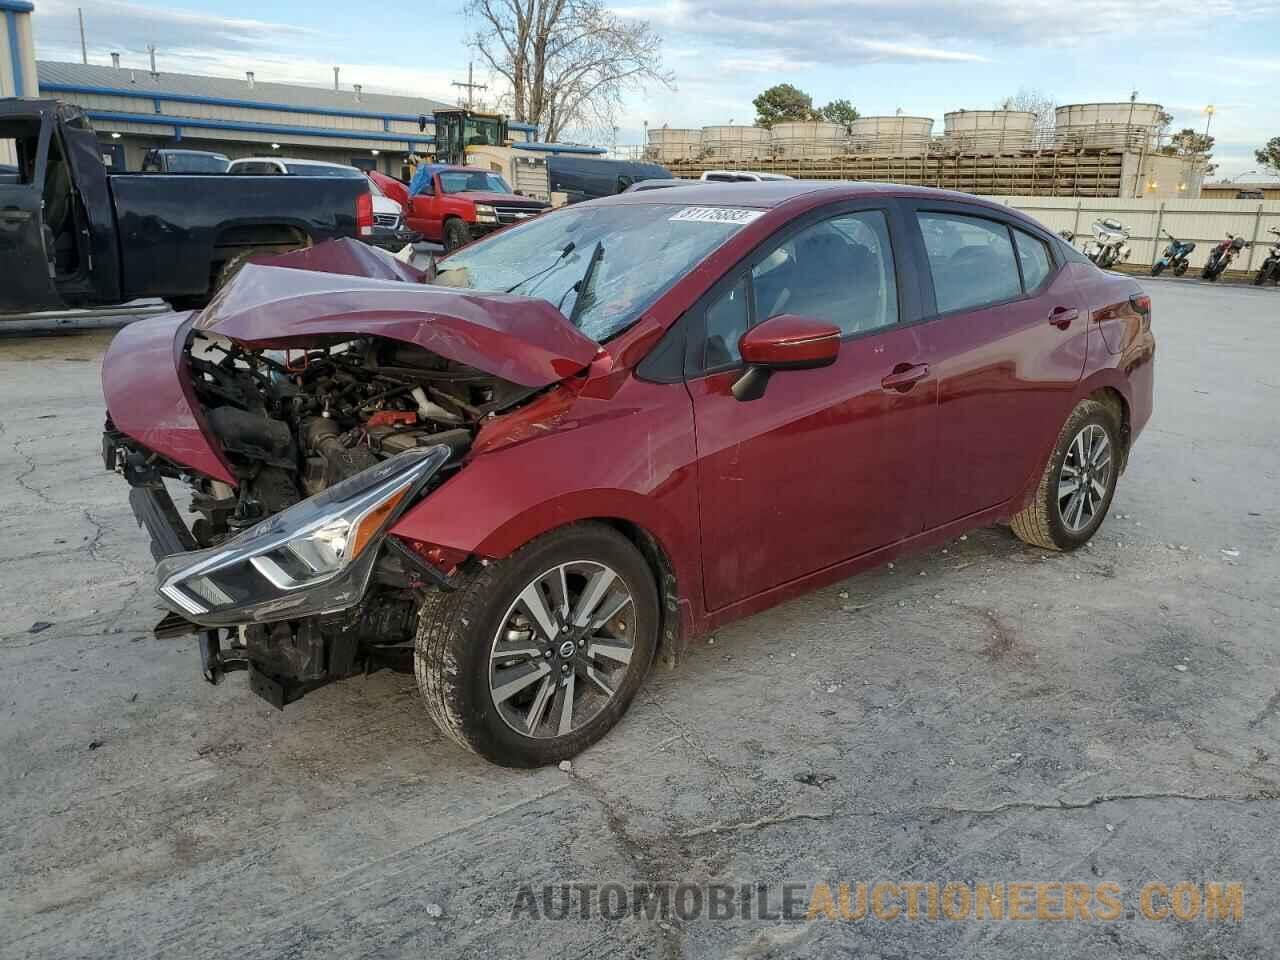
(74, 235)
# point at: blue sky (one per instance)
(923, 56)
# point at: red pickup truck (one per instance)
(454, 205)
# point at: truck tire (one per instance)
(456, 234)
(570, 675)
(1061, 516)
(1157, 268)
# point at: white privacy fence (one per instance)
(1205, 222)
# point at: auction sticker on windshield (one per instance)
(730, 215)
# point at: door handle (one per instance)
(904, 376)
(1061, 317)
(14, 215)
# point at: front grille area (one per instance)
(510, 214)
(386, 220)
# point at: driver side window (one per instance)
(839, 270)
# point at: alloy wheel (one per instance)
(1084, 479)
(562, 649)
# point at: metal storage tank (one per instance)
(735, 143)
(672, 143)
(896, 135)
(809, 138)
(988, 131)
(1112, 125)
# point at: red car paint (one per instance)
(391, 187)
(149, 396)
(521, 339)
(915, 433)
(427, 213)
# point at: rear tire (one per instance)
(1061, 516)
(456, 234)
(475, 644)
(1180, 269)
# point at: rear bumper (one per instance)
(393, 240)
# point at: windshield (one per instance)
(460, 181)
(321, 170)
(645, 249)
(197, 163)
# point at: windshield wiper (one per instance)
(568, 249)
(586, 299)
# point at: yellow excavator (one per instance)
(473, 139)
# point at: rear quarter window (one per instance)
(971, 261)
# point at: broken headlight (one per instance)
(314, 557)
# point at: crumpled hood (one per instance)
(290, 304)
(147, 382)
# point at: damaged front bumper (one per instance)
(280, 600)
(313, 558)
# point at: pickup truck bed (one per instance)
(73, 235)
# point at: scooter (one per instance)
(1109, 245)
(1175, 256)
(1222, 256)
(1270, 269)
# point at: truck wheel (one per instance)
(535, 657)
(1157, 268)
(1078, 483)
(1180, 269)
(456, 234)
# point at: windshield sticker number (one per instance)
(729, 215)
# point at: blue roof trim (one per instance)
(15, 55)
(560, 148)
(249, 104)
(16, 6)
(228, 102)
(164, 120)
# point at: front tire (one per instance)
(1157, 268)
(1078, 482)
(456, 234)
(1180, 269)
(535, 657)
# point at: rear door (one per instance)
(829, 463)
(28, 282)
(1007, 342)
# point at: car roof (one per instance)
(765, 194)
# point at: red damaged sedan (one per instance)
(586, 439)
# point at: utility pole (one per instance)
(84, 50)
(470, 85)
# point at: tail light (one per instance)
(1142, 304)
(364, 214)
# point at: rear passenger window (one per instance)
(971, 260)
(1034, 255)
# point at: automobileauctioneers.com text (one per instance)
(888, 901)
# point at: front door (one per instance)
(24, 261)
(1007, 344)
(829, 463)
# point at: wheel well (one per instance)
(672, 637)
(1113, 400)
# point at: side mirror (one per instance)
(785, 342)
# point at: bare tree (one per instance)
(1038, 102)
(568, 62)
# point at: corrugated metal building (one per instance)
(134, 110)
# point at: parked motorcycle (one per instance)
(1222, 255)
(1110, 243)
(1270, 269)
(1175, 256)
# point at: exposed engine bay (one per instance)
(292, 425)
(295, 423)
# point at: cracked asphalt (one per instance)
(983, 712)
